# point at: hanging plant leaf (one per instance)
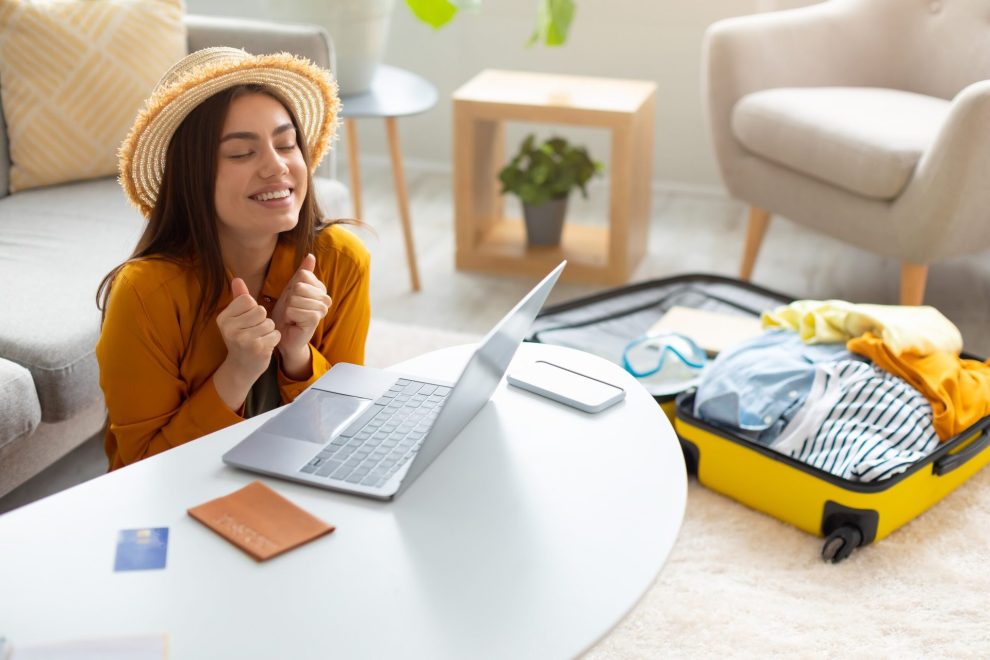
(553, 17)
(553, 22)
(435, 13)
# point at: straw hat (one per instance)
(309, 90)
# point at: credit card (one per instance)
(141, 549)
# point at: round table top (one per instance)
(530, 536)
(394, 92)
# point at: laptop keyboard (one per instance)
(383, 438)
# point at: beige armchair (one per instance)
(867, 120)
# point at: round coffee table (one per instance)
(530, 536)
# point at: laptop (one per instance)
(372, 432)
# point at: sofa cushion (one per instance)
(20, 411)
(73, 75)
(865, 140)
(56, 245)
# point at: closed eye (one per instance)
(287, 147)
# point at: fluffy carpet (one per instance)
(390, 343)
(741, 584)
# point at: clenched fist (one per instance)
(303, 304)
(250, 337)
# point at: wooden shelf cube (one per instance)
(488, 241)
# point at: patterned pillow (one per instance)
(73, 74)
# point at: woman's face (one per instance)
(261, 174)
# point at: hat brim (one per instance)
(308, 89)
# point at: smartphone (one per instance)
(566, 386)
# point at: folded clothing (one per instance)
(920, 330)
(958, 389)
(756, 387)
(859, 423)
(820, 404)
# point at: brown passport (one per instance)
(259, 521)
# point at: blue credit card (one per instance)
(141, 549)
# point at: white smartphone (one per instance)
(566, 386)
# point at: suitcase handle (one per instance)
(950, 462)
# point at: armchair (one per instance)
(867, 120)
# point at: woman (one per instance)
(238, 295)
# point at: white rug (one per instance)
(741, 584)
(390, 343)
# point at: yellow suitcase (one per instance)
(846, 513)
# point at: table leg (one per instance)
(353, 166)
(400, 193)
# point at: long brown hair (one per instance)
(183, 222)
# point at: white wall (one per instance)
(658, 40)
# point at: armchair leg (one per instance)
(755, 229)
(913, 278)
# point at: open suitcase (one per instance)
(846, 513)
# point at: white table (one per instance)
(530, 537)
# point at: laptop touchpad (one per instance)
(316, 416)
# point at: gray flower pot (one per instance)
(545, 222)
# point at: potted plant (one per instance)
(542, 176)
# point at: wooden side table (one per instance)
(488, 241)
(394, 93)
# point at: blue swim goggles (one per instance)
(645, 356)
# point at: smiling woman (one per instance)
(239, 293)
(260, 180)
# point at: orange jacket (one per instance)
(957, 388)
(156, 371)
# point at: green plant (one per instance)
(553, 18)
(548, 171)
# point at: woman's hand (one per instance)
(250, 337)
(299, 309)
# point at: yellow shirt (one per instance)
(905, 329)
(156, 370)
(957, 388)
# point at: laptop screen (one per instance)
(481, 375)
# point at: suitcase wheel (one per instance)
(841, 542)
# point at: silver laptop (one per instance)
(372, 432)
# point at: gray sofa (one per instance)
(56, 244)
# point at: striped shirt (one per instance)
(860, 423)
